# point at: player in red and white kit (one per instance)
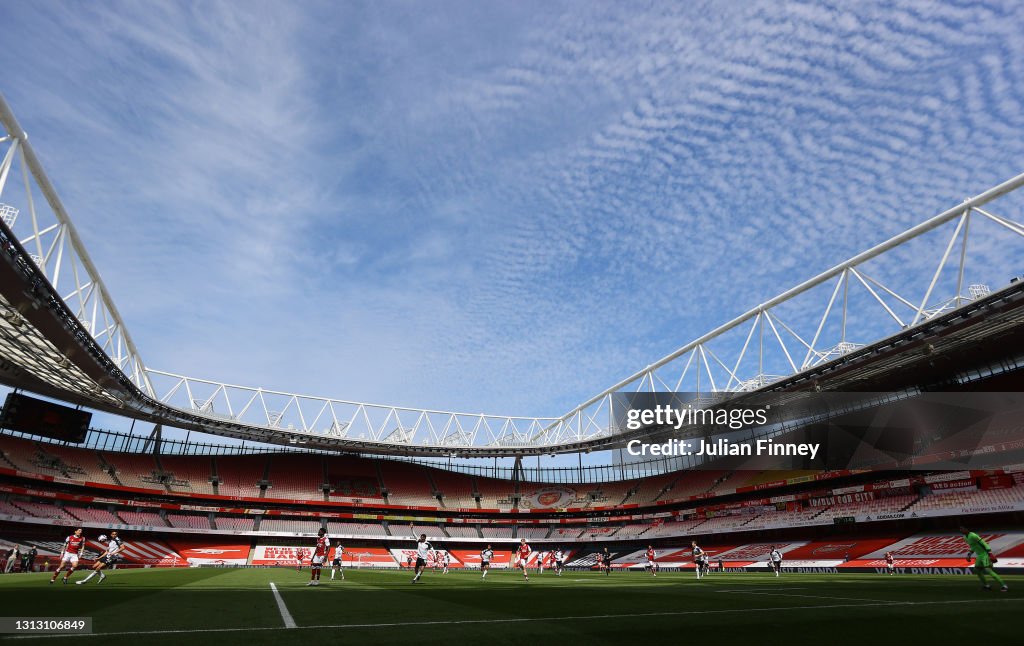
(890, 563)
(651, 565)
(523, 554)
(74, 547)
(316, 563)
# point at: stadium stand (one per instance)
(356, 529)
(456, 489)
(141, 518)
(433, 532)
(351, 477)
(234, 523)
(887, 505)
(955, 498)
(408, 484)
(188, 474)
(92, 515)
(296, 477)
(43, 510)
(631, 531)
(293, 526)
(531, 532)
(461, 531)
(566, 533)
(696, 483)
(495, 494)
(597, 532)
(240, 475)
(649, 490)
(680, 528)
(133, 470)
(191, 521)
(498, 532)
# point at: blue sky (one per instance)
(493, 206)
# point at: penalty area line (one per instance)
(289, 621)
(523, 620)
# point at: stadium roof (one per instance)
(61, 335)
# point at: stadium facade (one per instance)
(951, 321)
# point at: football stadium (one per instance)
(838, 458)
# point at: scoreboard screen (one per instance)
(39, 417)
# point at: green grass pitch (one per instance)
(238, 606)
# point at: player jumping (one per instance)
(775, 556)
(110, 557)
(74, 545)
(983, 559)
(486, 556)
(559, 561)
(890, 563)
(651, 565)
(316, 562)
(336, 564)
(423, 549)
(523, 554)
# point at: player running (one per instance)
(775, 556)
(110, 557)
(523, 555)
(423, 550)
(651, 565)
(540, 562)
(559, 561)
(336, 564)
(983, 559)
(606, 558)
(74, 546)
(446, 560)
(698, 558)
(486, 556)
(320, 552)
(890, 563)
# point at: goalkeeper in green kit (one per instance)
(983, 558)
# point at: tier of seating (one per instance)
(289, 525)
(500, 531)
(189, 521)
(296, 477)
(494, 493)
(188, 474)
(91, 515)
(44, 510)
(530, 532)
(456, 489)
(357, 529)
(409, 486)
(234, 523)
(673, 528)
(240, 475)
(462, 531)
(957, 498)
(888, 505)
(631, 531)
(149, 518)
(134, 470)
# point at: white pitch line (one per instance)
(522, 620)
(789, 594)
(286, 616)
